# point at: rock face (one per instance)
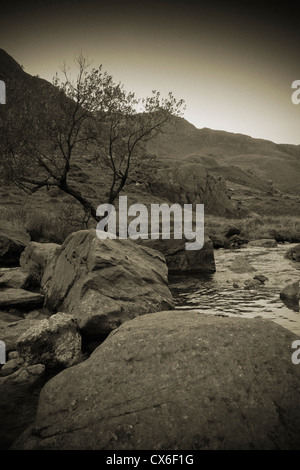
(11, 327)
(180, 260)
(291, 292)
(241, 265)
(20, 298)
(36, 257)
(103, 283)
(25, 375)
(188, 183)
(54, 342)
(13, 277)
(293, 253)
(13, 240)
(174, 380)
(265, 242)
(19, 394)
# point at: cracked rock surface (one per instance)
(176, 380)
(103, 283)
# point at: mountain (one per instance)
(232, 174)
(11, 72)
(225, 152)
(8, 65)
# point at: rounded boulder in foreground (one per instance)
(176, 380)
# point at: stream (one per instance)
(223, 293)
(213, 294)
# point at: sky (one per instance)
(232, 62)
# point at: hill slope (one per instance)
(260, 158)
(226, 171)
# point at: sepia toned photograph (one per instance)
(149, 228)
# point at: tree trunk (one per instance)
(87, 205)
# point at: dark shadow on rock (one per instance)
(292, 304)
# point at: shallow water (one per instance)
(217, 295)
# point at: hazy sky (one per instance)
(232, 62)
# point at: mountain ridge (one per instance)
(254, 169)
(8, 66)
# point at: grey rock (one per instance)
(11, 327)
(103, 283)
(25, 375)
(291, 291)
(189, 182)
(13, 277)
(19, 393)
(55, 342)
(180, 260)
(20, 298)
(36, 257)
(261, 278)
(13, 240)
(176, 380)
(11, 366)
(13, 355)
(235, 241)
(293, 253)
(219, 241)
(232, 230)
(251, 284)
(241, 265)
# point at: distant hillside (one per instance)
(231, 174)
(258, 158)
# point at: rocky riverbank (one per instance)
(126, 370)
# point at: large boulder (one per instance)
(13, 240)
(293, 253)
(35, 259)
(103, 283)
(291, 292)
(180, 260)
(54, 342)
(176, 380)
